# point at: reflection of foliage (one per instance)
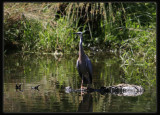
(55, 74)
(107, 75)
(48, 72)
(110, 103)
(142, 75)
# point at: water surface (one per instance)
(54, 73)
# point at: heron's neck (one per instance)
(81, 52)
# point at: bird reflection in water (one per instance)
(86, 104)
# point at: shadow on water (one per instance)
(54, 74)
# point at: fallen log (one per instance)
(119, 90)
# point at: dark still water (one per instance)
(54, 73)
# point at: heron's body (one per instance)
(84, 65)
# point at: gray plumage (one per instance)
(84, 65)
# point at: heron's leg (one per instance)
(82, 83)
(82, 88)
(88, 85)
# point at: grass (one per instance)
(129, 28)
(31, 33)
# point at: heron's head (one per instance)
(80, 34)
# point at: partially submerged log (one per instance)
(120, 90)
(123, 90)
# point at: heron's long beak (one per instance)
(77, 33)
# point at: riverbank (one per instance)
(49, 28)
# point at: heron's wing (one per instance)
(89, 68)
(77, 65)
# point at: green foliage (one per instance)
(129, 27)
(138, 55)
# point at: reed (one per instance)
(47, 27)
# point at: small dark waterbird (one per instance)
(36, 87)
(18, 86)
(84, 65)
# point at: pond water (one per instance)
(54, 73)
